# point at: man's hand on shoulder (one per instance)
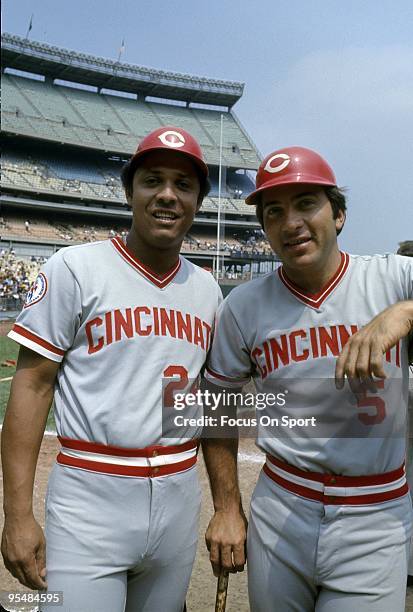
(362, 357)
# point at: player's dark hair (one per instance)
(335, 196)
(129, 169)
(337, 200)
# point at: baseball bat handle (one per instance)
(222, 586)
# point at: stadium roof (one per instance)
(58, 63)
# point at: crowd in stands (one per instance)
(101, 185)
(241, 244)
(16, 276)
(253, 243)
(257, 244)
(57, 229)
(28, 175)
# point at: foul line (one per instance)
(251, 457)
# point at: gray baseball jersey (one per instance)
(272, 331)
(119, 330)
(123, 501)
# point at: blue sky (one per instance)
(333, 75)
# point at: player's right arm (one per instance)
(23, 543)
(227, 530)
(228, 369)
(362, 356)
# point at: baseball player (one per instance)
(331, 516)
(107, 329)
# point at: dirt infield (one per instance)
(201, 596)
(5, 327)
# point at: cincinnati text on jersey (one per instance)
(303, 344)
(117, 325)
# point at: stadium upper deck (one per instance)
(55, 62)
(47, 107)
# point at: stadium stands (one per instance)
(86, 182)
(61, 230)
(16, 276)
(66, 114)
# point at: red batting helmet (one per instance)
(291, 165)
(172, 139)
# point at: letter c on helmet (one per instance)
(173, 139)
(280, 166)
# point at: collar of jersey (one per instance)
(316, 299)
(160, 280)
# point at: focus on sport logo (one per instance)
(173, 139)
(277, 163)
(37, 291)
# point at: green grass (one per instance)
(9, 350)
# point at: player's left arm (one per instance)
(362, 356)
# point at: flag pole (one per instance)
(217, 267)
(30, 26)
(122, 49)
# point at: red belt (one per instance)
(335, 489)
(149, 462)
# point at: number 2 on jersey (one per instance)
(180, 382)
